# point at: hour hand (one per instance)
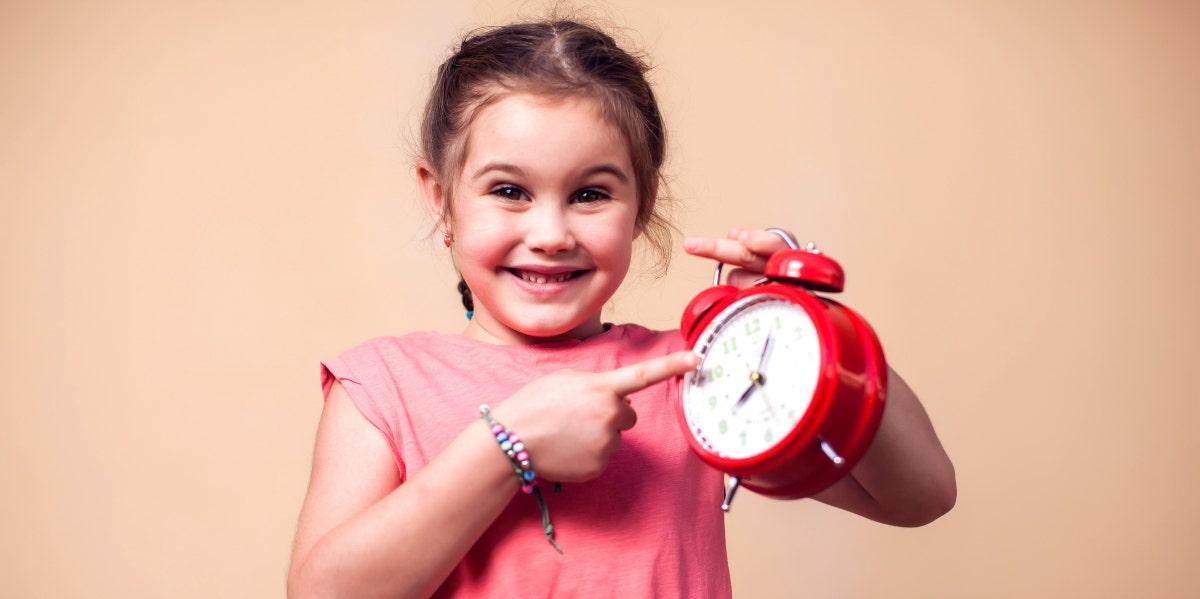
(745, 395)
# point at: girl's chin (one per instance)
(540, 331)
(559, 333)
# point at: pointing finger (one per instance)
(729, 251)
(759, 241)
(636, 377)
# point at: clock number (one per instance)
(752, 327)
(778, 323)
(712, 401)
(742, 436)
(729, 345)
(723, 427)
(768, 436)
(718, 371)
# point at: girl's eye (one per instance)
(588, 196)
(508, 192)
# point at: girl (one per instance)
(542, 147)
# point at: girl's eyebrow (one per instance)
(611, 169)
(504, 167)
(515, 170)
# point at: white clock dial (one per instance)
(760, 359)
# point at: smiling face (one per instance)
(543, 218)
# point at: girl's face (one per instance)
(543, 218)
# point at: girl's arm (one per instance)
(364, 534)
(905, 478)
(357, 535)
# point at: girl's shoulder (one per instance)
(380, 361)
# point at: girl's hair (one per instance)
(557, 59)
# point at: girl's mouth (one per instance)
(543, 278)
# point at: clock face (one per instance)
(760, 360)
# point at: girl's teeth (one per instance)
(541, 279)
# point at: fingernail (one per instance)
(743, 235)
(691, 243)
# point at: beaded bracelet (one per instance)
(514, 449)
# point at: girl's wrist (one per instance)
(499, 468)
(513, 448)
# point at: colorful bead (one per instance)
(512, 447)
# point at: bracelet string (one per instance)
(518, 457)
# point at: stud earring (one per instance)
(447, 239)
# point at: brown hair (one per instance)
(557, 58)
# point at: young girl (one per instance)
(542, 148)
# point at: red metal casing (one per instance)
(850, 395)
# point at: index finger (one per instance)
(746, 248)
(729, 251)
(635, 377)
(759, 241)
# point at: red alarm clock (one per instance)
(791, 385)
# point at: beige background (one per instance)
(200, 200)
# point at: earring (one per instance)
(447, 239)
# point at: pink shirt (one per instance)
(650, 526)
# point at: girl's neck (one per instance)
(488, 331)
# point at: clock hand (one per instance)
(756, 382)
(767, 401)
(756, 379)
(741, 400)
(762, 358)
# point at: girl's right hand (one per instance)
(571, 421)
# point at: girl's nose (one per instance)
(548, 230)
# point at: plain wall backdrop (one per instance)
(200, 200)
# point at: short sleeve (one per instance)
(373, 400)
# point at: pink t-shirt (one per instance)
(650, 526)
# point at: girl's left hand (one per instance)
(745, 249)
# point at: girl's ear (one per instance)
(433, 193)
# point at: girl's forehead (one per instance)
(543, 132)
(514, 114)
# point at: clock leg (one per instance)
(833, 455)
(731, 487)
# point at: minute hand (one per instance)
(758, 380)
(762, 358)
